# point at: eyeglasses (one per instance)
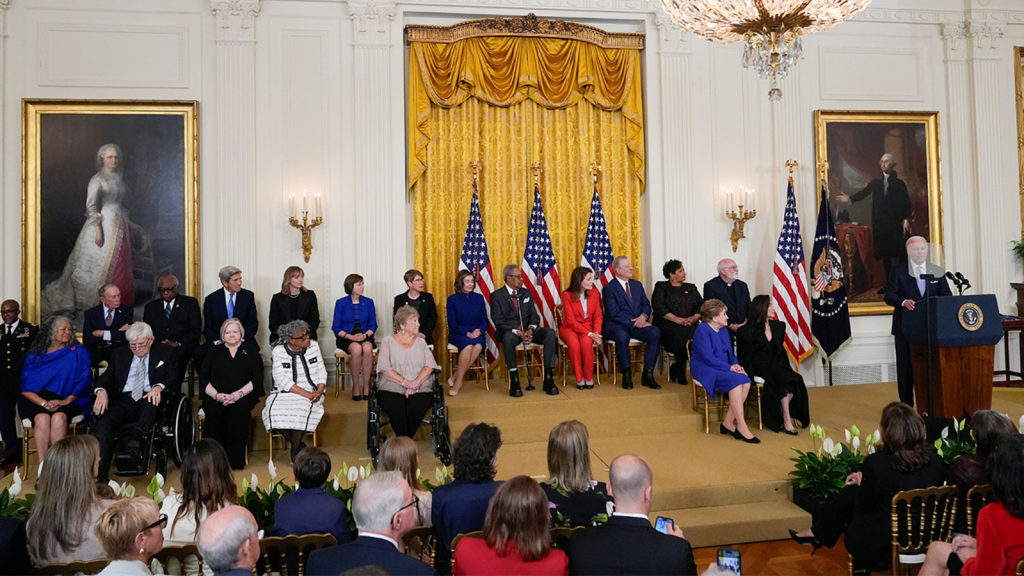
(515, 275)
(161, 522)
(301, 337)
(139, 345)
(171, 289)
(415, 502)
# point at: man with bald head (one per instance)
(16, 336)
(628, 544)
(175, 320)
(906, 288)
(229, 542)
(728, 288)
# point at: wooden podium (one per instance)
(958, 334)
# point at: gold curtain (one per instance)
(509, 113)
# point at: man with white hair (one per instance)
(385, 509)
(229, 542)
(627, 316)
(728, 288)
(105, 324)
(906, 288)
(129, 391)
(891, 213)
(231, 301)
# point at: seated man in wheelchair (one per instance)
(129, 391)
(406, 374)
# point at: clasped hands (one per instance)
(228, 399)
(474, 334)
(525, 335)
(854, 478)
(641, 322)
(54, 405)
(99, 333)
(313, 397)
(965, 547)
(737, 369)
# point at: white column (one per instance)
(12, 275)
(379, 195)
(232, 204)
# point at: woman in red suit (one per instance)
(581, 328)
(517, 537)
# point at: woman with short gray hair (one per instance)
(296, 404)
(406, 374)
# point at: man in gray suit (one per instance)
(516, 321)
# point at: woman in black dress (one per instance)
(576, 498)
(422, 302)
(761, 353)
(232, 380)
(676, 306)
(293, 302)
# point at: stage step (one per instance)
(738, 523)
(668, 495)
(600, 424)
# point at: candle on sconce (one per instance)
(750, 199)
(318, 203)
(729, 200)
(305, 205)
(291, 204)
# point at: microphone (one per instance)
(955, 280)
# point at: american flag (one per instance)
(597, 248)
(540, 272)
(477, 260)
(789, 290)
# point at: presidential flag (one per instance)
(540, 273)
(830, 321)
(476, 259)
(789, 289)
(597, 248)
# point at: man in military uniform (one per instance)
(16, 336)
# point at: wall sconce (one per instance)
(307, 225)
(737, 213)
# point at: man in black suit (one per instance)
(728, 288)
(175, 321)
(15, 339)
(129, 391)
(385, 509)
(628, 544)
(232, 301)
(229, 542)
(891, 212)
(905, 291)
(105, 325)
(516, 321)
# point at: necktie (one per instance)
(920, 281)
(140, 380)
(515, 302)
(167, 311)
(110, 318)
(231, 305)
(885, 184)
(628, 295)
(10, 329)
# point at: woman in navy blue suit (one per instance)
(355, 322)
(467, 326)
(715, 366)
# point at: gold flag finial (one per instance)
(476, 166)
(792, 165)
(536, 173)
(595, 168)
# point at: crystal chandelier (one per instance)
(771, 29)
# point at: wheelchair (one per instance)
(440, 434)
(174, 433)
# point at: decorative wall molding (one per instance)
(530, 25)
(235, 19)
(955, 38)
(985, 39)
(372, 23)
(939, 16)
(673, 38)
(856, 72)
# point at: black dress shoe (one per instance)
(627, 380)
(647, 379)
(513, 384)
(805, 541)
(356, 398)
(751, 440)
(550, 388)
(723, 430)
(791, 432)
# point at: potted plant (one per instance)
(821, 473)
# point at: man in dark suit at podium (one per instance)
(627, 315)
(175, 321)
(105, 325)
(906, 289)
(232, 301)
(517, 320)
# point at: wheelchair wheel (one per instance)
(184, 430)
(373, 425)
(440, 434)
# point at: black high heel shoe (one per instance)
(791, 432)
(725, 431)
(805, 541)
(751, 440)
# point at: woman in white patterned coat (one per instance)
(296, 404)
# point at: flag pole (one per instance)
(792, 165)
(823, 182)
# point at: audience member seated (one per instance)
(232, 301)
(517, 321)
(990, 428)
(66, 507)
(229, 542)
(16, 338)
(129, 392)
(294, 302)
(581, 324)
(175, 321)
(761, 350)
(232, 382)
(55, 383)
(862, 511)
(207, 485)
(714, 365)
(460, 507)
(131, 532)
(400, 454)
(355, 322)
(296, 404)
(1000, 542)
(627, 312)
(105, 324)
(676, 305)
(576, 498)
(310, 510)
(422, 302)
(517, 536)
(728, 288)
(406, 374)
(467, 326)
(383, 506)
(628, 544)
(14, 557)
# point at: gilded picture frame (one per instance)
(1018, 67)
(110, 195)
(851, 147)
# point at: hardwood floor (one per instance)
(781, 558)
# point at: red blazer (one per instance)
(1000, 542)
(573, 310)
(474, 558)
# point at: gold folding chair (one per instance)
(89, 567)
(343, 367)
(458, 538)
(421, 543)
(977, 498)
(920, 517)
(27, 433)
(701, 401)
(181, 554)
(453, 358)
(274, 551)
(563, 350)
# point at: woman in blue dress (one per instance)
(467, 326)
(715, 366)
(355, 322)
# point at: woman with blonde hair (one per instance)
(576, 498)
(294, 302)
(131, 531)
(60, 528)
(400, 454)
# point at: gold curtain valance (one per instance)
(506, 70)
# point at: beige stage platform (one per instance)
(718, 489)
